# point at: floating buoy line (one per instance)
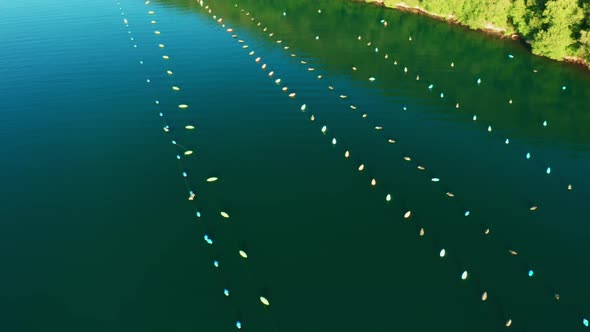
(408, 214)
(203, 218)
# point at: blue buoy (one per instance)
(178, 156)
(226, 292)
(442, 95)
(431, 86)
(511, 56)
(238, 324)
(208, 239)
(563, 88)
(528, 155)
(198, 214)
(161, 114)
(467, 213)
(507, 141)
(216, 263)
(405, 108)
(548, 170)
(531, 273)
(585, 322)
(184, 174)
(478, 81)
(157, 102)
(174, 142)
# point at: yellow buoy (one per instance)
(285, 89)
(175, 88)
(378, 128)
(352, 107)
(157, 32)
(421, 168)
(161, 45)
(263, 66)
(188, 152)
(264, 301)
(183, 106)
(373, 182)
(484, 296)
(190, 127)
(508, 322)
(392, 141)
(243, 254)
(343, 96)
(212, 179)
(421, 232)
(512, 252)
(169, 72)
(408, 214)
(407, 158)
(271, 73)
(151, 12)
(292, 95)
(165, 57)
(330, 87)
(223, 213)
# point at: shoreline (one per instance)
(490, 30)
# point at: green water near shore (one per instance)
(98, 234)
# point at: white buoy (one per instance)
(264, 301)
(352, 107)
(343, 97)
(223, 213)
(169, 72)
(464, 275)
(278, 81)
(346, 154)
(165, 57)
(189, 127)
(388, 197)
(292, 95)
(175, 88)
(484, 296)
(257, 59)
(212, 179)
(508, 322)
(373, 182)
(361, 167)
(183, 106)
(407, 215)
(243, 254)
(188, 152)
(392, 141)
(422, 232)
(303, 107)
(442, 253)
(312, 117)
(263, 66)
(271, 73)
(372, 79)
(333, 141)
(324, 128)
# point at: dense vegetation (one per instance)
(556, 29)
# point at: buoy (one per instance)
(189, 127)
(226, 292)
(191, 196)
(544, 123)
(343, 97)
(372, 79)
(330, 87)
(346, 154)
(188, 152)
(388, 197)
(223, 213)
(392, 141)
(407, 215)
(507, 141)
(285, 89)
(157, 32)
(457, 105)
(324, 128)
(435, 179)
(420, 167)
(442, 253)
(585, 322)
(508, 323)
(421, 232)
(165, 57)
(251, 53)
(312, 118)
(257, 59)
(406, 158)
(175, 88)
(310, 69)
(151, 12)
(320, 77)
(352, 107)
(361, 167)
(373, 182)
(533, 208)
(169, 72)
(303, 107)
(161, 45)
(216, 263)
(271, 73)
(478, 81)
(528, 155)
(263, 66)
(450, 194)
(212, 179)
(317, 37)
(569, 187)
(333, 141)
(264, 301)
(378, 128)
(230, 30)
(475, 118)
(484, 296)
(490, 129)
(278, 81)
(548, 170)
(208, 239)
(556, 296)
(354, 68)
(243, 254)
(531, 273)
(512, 252)
(239, 324)
(183, 106)
(467, 213)
(292, 95)
(464, 275)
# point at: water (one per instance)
(97, 232)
